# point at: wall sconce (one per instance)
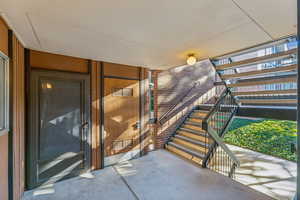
(191, 60)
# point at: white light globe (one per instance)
(191, 60)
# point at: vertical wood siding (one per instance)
(18, 103)
(146, 137)
(96, 114)
(4, 138)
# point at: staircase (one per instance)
(260, 82)
(190, 140)
(199, 137)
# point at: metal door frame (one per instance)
(33, 122)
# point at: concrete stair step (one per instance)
(193, 141)
(201, 111)
(200, 133)
(198, 114)
(197, 117)
(197, 137)
(206, 107)
(189, 145)
(196, 120)
(193, 123)
(196, 128)
(187, 150)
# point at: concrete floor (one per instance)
(158, 176)
(270, 175)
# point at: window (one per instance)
(123, 92)
(119, 145)
(151, 98)
(4, 94)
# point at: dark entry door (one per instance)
(121, 120)
(59, 135)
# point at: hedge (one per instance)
(272, 137)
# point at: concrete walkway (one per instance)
(158, 176)
(270, 175)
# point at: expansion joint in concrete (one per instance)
(125, 182)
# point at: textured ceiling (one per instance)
(156, 34)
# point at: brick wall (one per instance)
(180, 89)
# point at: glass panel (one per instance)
(128, 92)
(117, 92)
(2, 94)
(60, 119)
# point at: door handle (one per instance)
(137, 125)
(84, 125)
(84, 128)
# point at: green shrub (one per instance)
(272, 137)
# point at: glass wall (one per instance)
(3, 94)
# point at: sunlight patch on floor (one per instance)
(87, 175)
(267, 174)
(43, 190)
(125, 169)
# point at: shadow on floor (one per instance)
(267, 174)
(160, 175)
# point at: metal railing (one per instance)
(167, 114)
(219, 158)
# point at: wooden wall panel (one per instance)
(4, 167)
(117, 70)
(121, 114)
(4, 139)
(147, 139)
(18, 103)
(50, 61)
(3, 37)
(96, 97)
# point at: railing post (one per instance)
(204, 125)
(219, 118)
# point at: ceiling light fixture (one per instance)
(191, 60)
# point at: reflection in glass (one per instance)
(60, 124)
(3, 95)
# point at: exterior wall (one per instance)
(20, 73)
(4, 37)
(154, 125)
(4, 139)
(179, 90)
(18, 106)
(96, 115)
(179, 84)
(4, 167)
(169, 86)
(49, 61)
(97, 71)
(147, 139)
(112, 70)
(12, 143)
(118, 70)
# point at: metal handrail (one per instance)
(175, 105)
(217, 135)
(221, 143)
(219, 101)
